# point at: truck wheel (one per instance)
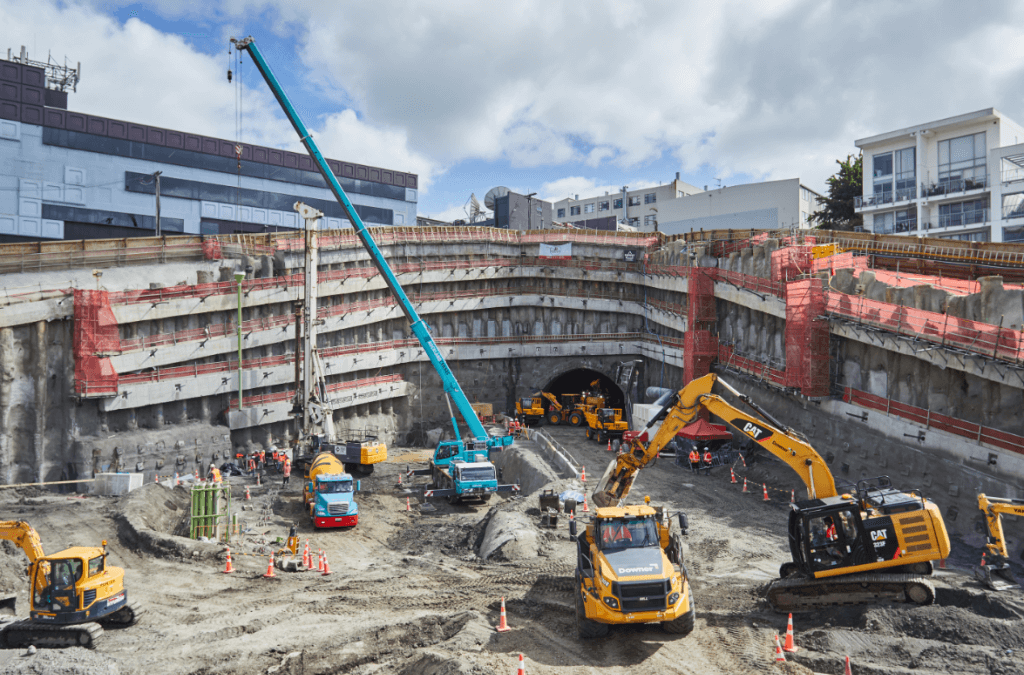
(588, 433)
(575, 419)
(453, 499)
(585, 628)
(682, 625)
(600, 437)
(554, 418)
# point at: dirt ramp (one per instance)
(147, 519)
(525, 468)
(508, 536)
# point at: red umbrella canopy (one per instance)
(703, 431)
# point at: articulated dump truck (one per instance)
(330, 493)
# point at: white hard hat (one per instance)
(213, 466)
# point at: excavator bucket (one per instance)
(602, 497)
(996, 577)
(548, 500)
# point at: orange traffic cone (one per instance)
(176, 481)
(320, 561)
(790, 646)
(307, 559)
(399, 480)
(408, 506)
(942, 563)
(229, 569)
(744, 484)
(270, 568)
(732, 475)
(247, 495)
(847, 671)
(583, 473)
(765, 491)
(197, 475)
(586, 509)
(779, 656)
(982, 558)
(327, 567)
(502, 622)
(792, 496)
(609, 445)
(744, 461)
(522, 666)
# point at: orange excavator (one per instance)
(869, 542)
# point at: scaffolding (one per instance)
(807, 338)
(95, 335)
(700, 343)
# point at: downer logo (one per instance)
(635, 570)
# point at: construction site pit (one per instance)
(416, 587)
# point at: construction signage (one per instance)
(555, 251)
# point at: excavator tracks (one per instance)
(800, 594)
(124, 617)
(26, 632)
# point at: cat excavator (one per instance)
(74, 594)
(995, 572)
(872, 542)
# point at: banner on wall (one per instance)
(556, 251)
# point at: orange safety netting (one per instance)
(700, 345)
(95, 334)
(212, 250)
(933, 420)
(942, 329)
(807, 338)
(790, 262)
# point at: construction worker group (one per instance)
(698, 462)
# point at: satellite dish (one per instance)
(492, 194)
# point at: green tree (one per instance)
(836, 211)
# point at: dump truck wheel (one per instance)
(682, 625)
(585, 628)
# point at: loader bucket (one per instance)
(996, 577)
(548, 500)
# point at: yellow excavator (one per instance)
(870, 543)
(75, 593)
(995, 572)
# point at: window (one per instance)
(650, 197)
(574, 210)
(963, 213)
(626, 533)
(539, 208)
(588, 208)
(561, 213)
(332, 487)
(96, 565)
(617, 204)
(883, 223)
(1013, 205)
(962, 163)
(634, 201)
(650, 220)
(803, 217)
(602, 206)
(906, 174)
(634, 222)
(906, 220)
(970, 236)
(680, 193)
(882, 174)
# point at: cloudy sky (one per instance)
(544, 96)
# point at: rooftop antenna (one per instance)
(493, 194)
(58, 77)
(475, 212)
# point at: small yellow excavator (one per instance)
(872, 543)
(995, 572)
(74, 594)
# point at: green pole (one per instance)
(238, 277)
(192, 519)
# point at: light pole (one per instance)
(239, 276)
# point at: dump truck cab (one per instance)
(629, 569)
(605, 423)
(330, 493)
(530, 408)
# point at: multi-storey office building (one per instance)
(69, 175)
(679, 207)
(956, 178)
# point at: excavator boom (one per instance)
(995, 573)
(682, 409)
(24, 536)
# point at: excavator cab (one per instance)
(76, 585)
(826, 534)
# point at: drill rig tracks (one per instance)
(800, 594)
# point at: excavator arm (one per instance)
(994, 508)
(553, 399)
(682, 409)
(24, 536)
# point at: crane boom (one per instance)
(419, 327)
(682, 409)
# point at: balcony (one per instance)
(885, 197)
(974, 217)
(1013, 175)
(952, 186)
(1013, 211)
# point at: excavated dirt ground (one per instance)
(408, 593)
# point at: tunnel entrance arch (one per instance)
(578, 379)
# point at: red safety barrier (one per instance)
(932, 420)
(95, 333)
(728, 358)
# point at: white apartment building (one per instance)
(679, 207)
(957, 178)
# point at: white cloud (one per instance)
(571, 186)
